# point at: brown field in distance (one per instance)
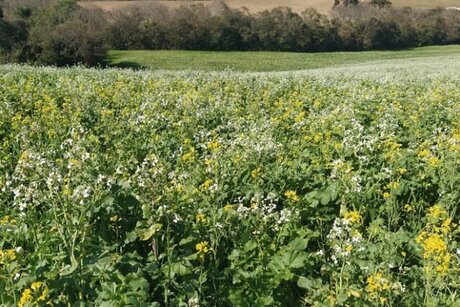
(322, 6)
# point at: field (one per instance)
(324, 187)
(267, 61)
(322, 6)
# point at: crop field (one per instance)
(322, 6)
(327, 187)
(267, 61)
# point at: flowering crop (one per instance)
(222, 189)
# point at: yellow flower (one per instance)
(206, 185)
(446, 225)
(7, 255)
(202, 248)
(292, 196)
(318, 137)
(179, 188)
(353, 217)
(436, 212)
(432, 245)
(338, 146)
(213, 145)
(349, 248)
(209, 162)
(26, 297)
(433, 161)
(189, 156)
(408, 208)
(114, 218)
(228, 208)
(424, 153)
(7, 220)
(376, 284)
(393, 185)
(255, 172)
(386, 195)
(435, 252)
(37, 290)
(354, 293)
(300, 117)
(402, 171)
(200, 218)
(36, 286)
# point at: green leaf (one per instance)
(298, 244)
(177, 268)
(325, 198)
(294, 259)
(305, 283)
(288, 260)
(342, 297)
(69, 269)
(249, 246)
(144, 235)
(187, 240)
(139, 284)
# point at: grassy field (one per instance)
(322, 6)
(264, 61)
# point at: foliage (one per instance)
(351, 26)
(60, 32)
(128, 188)
(55, 33)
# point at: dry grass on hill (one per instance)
(322, 6)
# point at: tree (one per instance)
(65, 34)
(345, 2)
(381, 3)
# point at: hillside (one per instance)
(322, 6)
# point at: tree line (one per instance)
(60, 32)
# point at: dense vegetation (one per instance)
(221, 189)
(60, 32)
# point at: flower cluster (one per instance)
(203, 249)
(434, 240)
(38, 292)
(345, 237)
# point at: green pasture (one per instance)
(264, 61)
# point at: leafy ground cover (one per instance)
(264, 61)
(329, 187)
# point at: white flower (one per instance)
(177, 218)
(193, 302)
(86, 192)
